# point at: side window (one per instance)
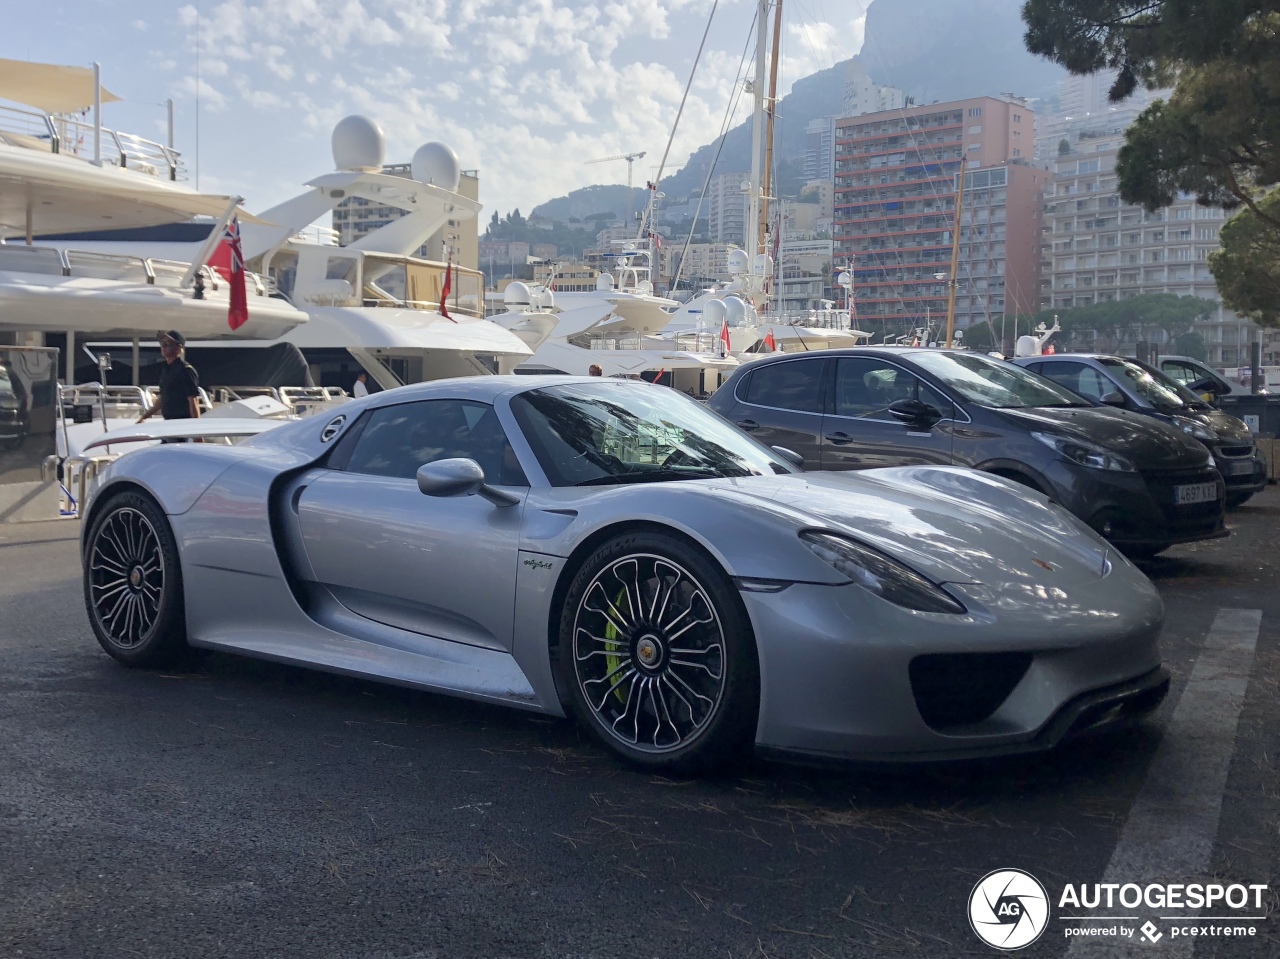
(1078, 378)
(396, 440)
(793, 385)
(866, 388)
(1180, 372)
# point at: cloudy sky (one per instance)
(523, 90)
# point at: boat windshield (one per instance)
(995, 383)
(605, 434)
(1161, 391)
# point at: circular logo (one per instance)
(1008, 909)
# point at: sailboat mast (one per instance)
(955, 256)
(753, 236)
(772, 107)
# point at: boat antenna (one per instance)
(644, 222)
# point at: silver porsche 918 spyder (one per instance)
(616, 550)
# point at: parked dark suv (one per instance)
(1143, 484)
(1130, 385)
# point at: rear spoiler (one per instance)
(213, 427)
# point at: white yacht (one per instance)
(63, 178)
(621, 327)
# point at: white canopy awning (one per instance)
(403, 330)
(68, 195)
(49, 87)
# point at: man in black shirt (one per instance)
(179, 382)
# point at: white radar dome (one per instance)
(845, 279)
(1027, 346)
(358, 145)
(764, 264)
(547, 300)
(517, 294)
(437, 164)
(738, 262)
(736, 309)
(715, 314)
(604, 281)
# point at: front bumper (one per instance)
(1241, 473)
(841, 674)
(1139, 509)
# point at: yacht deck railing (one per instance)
(71, 136)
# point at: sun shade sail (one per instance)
(48, 87)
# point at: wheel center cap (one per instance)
(135, 577)
(648, 650)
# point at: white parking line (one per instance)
(1173, 823)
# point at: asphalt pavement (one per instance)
(249, 809)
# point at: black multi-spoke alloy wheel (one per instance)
(657, 652)
(133, 583)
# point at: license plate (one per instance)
(1242, 469)
(1199, 493)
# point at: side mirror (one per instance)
(459, 477)
(791, 456)
(914, 412)
(1115, 398)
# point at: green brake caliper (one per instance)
(612, 663)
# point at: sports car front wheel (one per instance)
(133, 583)
(657, 651)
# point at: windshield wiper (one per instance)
(656, 476)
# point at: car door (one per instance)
(1079, 378)
(860, 433)
(780, 404)
(441, 567)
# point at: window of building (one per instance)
(975, 111)
(1087, 166)
(977, 129)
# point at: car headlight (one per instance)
(1198, 430)
(877, 573)
(1085, 454)
(8, 403)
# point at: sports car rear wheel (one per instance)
(133, 583)
(657, 651)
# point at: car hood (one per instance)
(1145, 441)
(1229, 428)
(950, 524)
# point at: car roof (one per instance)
(894, 351)
(486, 389)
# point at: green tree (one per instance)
(1246, 266)
(1217, 136)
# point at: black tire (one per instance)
(133, 584)
(621, 668)
(1238, 499)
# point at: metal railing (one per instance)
(51, 261)
(71, 136)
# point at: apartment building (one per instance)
(896, 180)
(355, 217)
(863, 95)
(1098, 248)
(726, 207)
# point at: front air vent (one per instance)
(332, 428)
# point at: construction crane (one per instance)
(631, 158)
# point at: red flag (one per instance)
(770, 342)
(724, 336)
(238, 312)
(445, 291)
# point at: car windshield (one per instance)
(994, 383)
(1158, 389)
(598, 434)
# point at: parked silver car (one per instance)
(616, 550)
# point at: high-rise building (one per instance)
(896, 180)
(355, 217)
(1078, 95)
(863, 95)
(727, 209)
(819, 152)
(1099, 249)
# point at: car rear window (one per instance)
(793, 385)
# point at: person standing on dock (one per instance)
(179, 382)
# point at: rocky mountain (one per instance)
(932, 49)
